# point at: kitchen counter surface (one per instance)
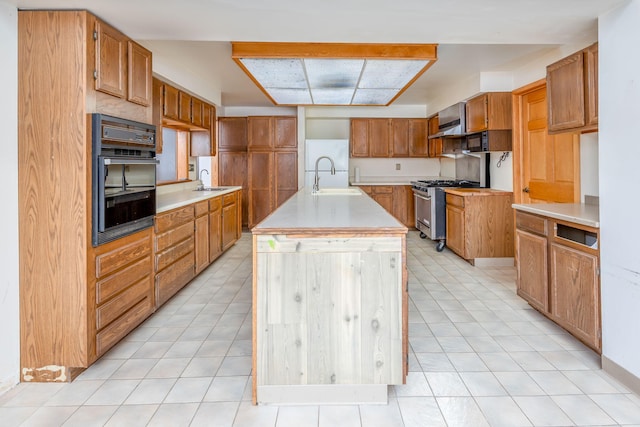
(305, 211)
(177, 199)
(579, 213)
(393, 180)
(465, 192)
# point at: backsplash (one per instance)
(411, 168)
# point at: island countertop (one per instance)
(324, 213)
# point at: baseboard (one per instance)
(8, 383)
(621, 374)
(493, 262)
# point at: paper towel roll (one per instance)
(357, 174)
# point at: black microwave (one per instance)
(489, 140)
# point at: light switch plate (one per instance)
(397, 166)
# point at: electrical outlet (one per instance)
(397, 166)
(192, 167)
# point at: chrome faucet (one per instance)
(316, 182)
(201, 186)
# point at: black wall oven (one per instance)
(124, 177)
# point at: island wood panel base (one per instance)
(328, 311)
(323, 394)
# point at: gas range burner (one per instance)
(426, 183)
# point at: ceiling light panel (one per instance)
(291, 96)
(333, 73)
(340, 96)
(390, 74)
(278, 73)
(374, 96)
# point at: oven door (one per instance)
(126, 197)
(423, 212)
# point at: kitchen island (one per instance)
(329, 301)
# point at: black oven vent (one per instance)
(125, 152)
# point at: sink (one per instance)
(338, 192)
(210, 189)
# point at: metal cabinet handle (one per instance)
(525, 190)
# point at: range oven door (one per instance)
(423, 212)
(126, 197)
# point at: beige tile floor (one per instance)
(479, 356)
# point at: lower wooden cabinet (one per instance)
(273, 178)
(202, 235)
(215, 228)
(557, 266)
(479, 223)
(124, 288)
(229, 221)
(396, 199)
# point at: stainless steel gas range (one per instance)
(430, 207)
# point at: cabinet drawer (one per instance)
(172, 219)
(119, 257)
(454, 200)
(110, 335)
(173, 278)
(215, 204)
(382, 189)
(201, 208)
(172, 237)
(119, 305)
(169, 256)
(113, 284)
(531, 223)
(228, 199)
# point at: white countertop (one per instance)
(306, 211)
(177, 199)
(390, 180)
(579, 213)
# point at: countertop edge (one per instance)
(187, 197)
(540, 210)
(320, 232)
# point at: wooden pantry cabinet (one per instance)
(572, 92)
(232, 157)
(557, 264)
(76, 300)
(272, 164)
(479, 223)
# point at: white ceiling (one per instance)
(474, 35)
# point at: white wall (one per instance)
(589, 167)
(619, 153)
(9, 303)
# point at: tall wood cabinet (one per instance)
(557, 265)
(272, 163)
(75, 300)
(232, 157)
(572, 92)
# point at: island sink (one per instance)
(338, 192)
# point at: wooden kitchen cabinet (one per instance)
(558, 273)
(572, 92)
(63, 323)
(434, 145)
(409, 138)
(215, 228)
(272, 132)
(479, 223)
(396, 199)
(232, 167)
(370, 138)
(197, 114)
(229, 221)
(123, 288)
(232, 134)
(171, 102)
(184, 107)
(139, 74)
(174, 251)
(157, 88)
(201, 235)
(359, 143)
(260, 165)
(489, 111)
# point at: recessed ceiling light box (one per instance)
(333, 73)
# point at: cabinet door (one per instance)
(418, 142)
(403, 203)
(260, 132)
(232, 134)
(212, 125)
(202, 243)
(575, 292)
(171, 105)
(184, 107)
(286, 173)
(260, 186)
(139, 76)
(229, 226)
(285, 132)
(591, 59)
(157, 113)
(565, 93)
(111, 60)
(233, 171)
(379, 138)
(359, 138)
(400, 137)
(531, 267)
(383, 194)
(196, 112)
(435, 147)
(215, 234)
(476, 112)
(455, 229)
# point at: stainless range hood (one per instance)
(452, 122)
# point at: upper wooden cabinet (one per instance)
(434, 144)
(232, 134)
(272, 132)
(489, 111)
(171, 102)
(184, 107)
(123, 67)
(385, 137)
(572, 92)
(156, 120)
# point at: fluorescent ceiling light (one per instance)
(333, 73)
